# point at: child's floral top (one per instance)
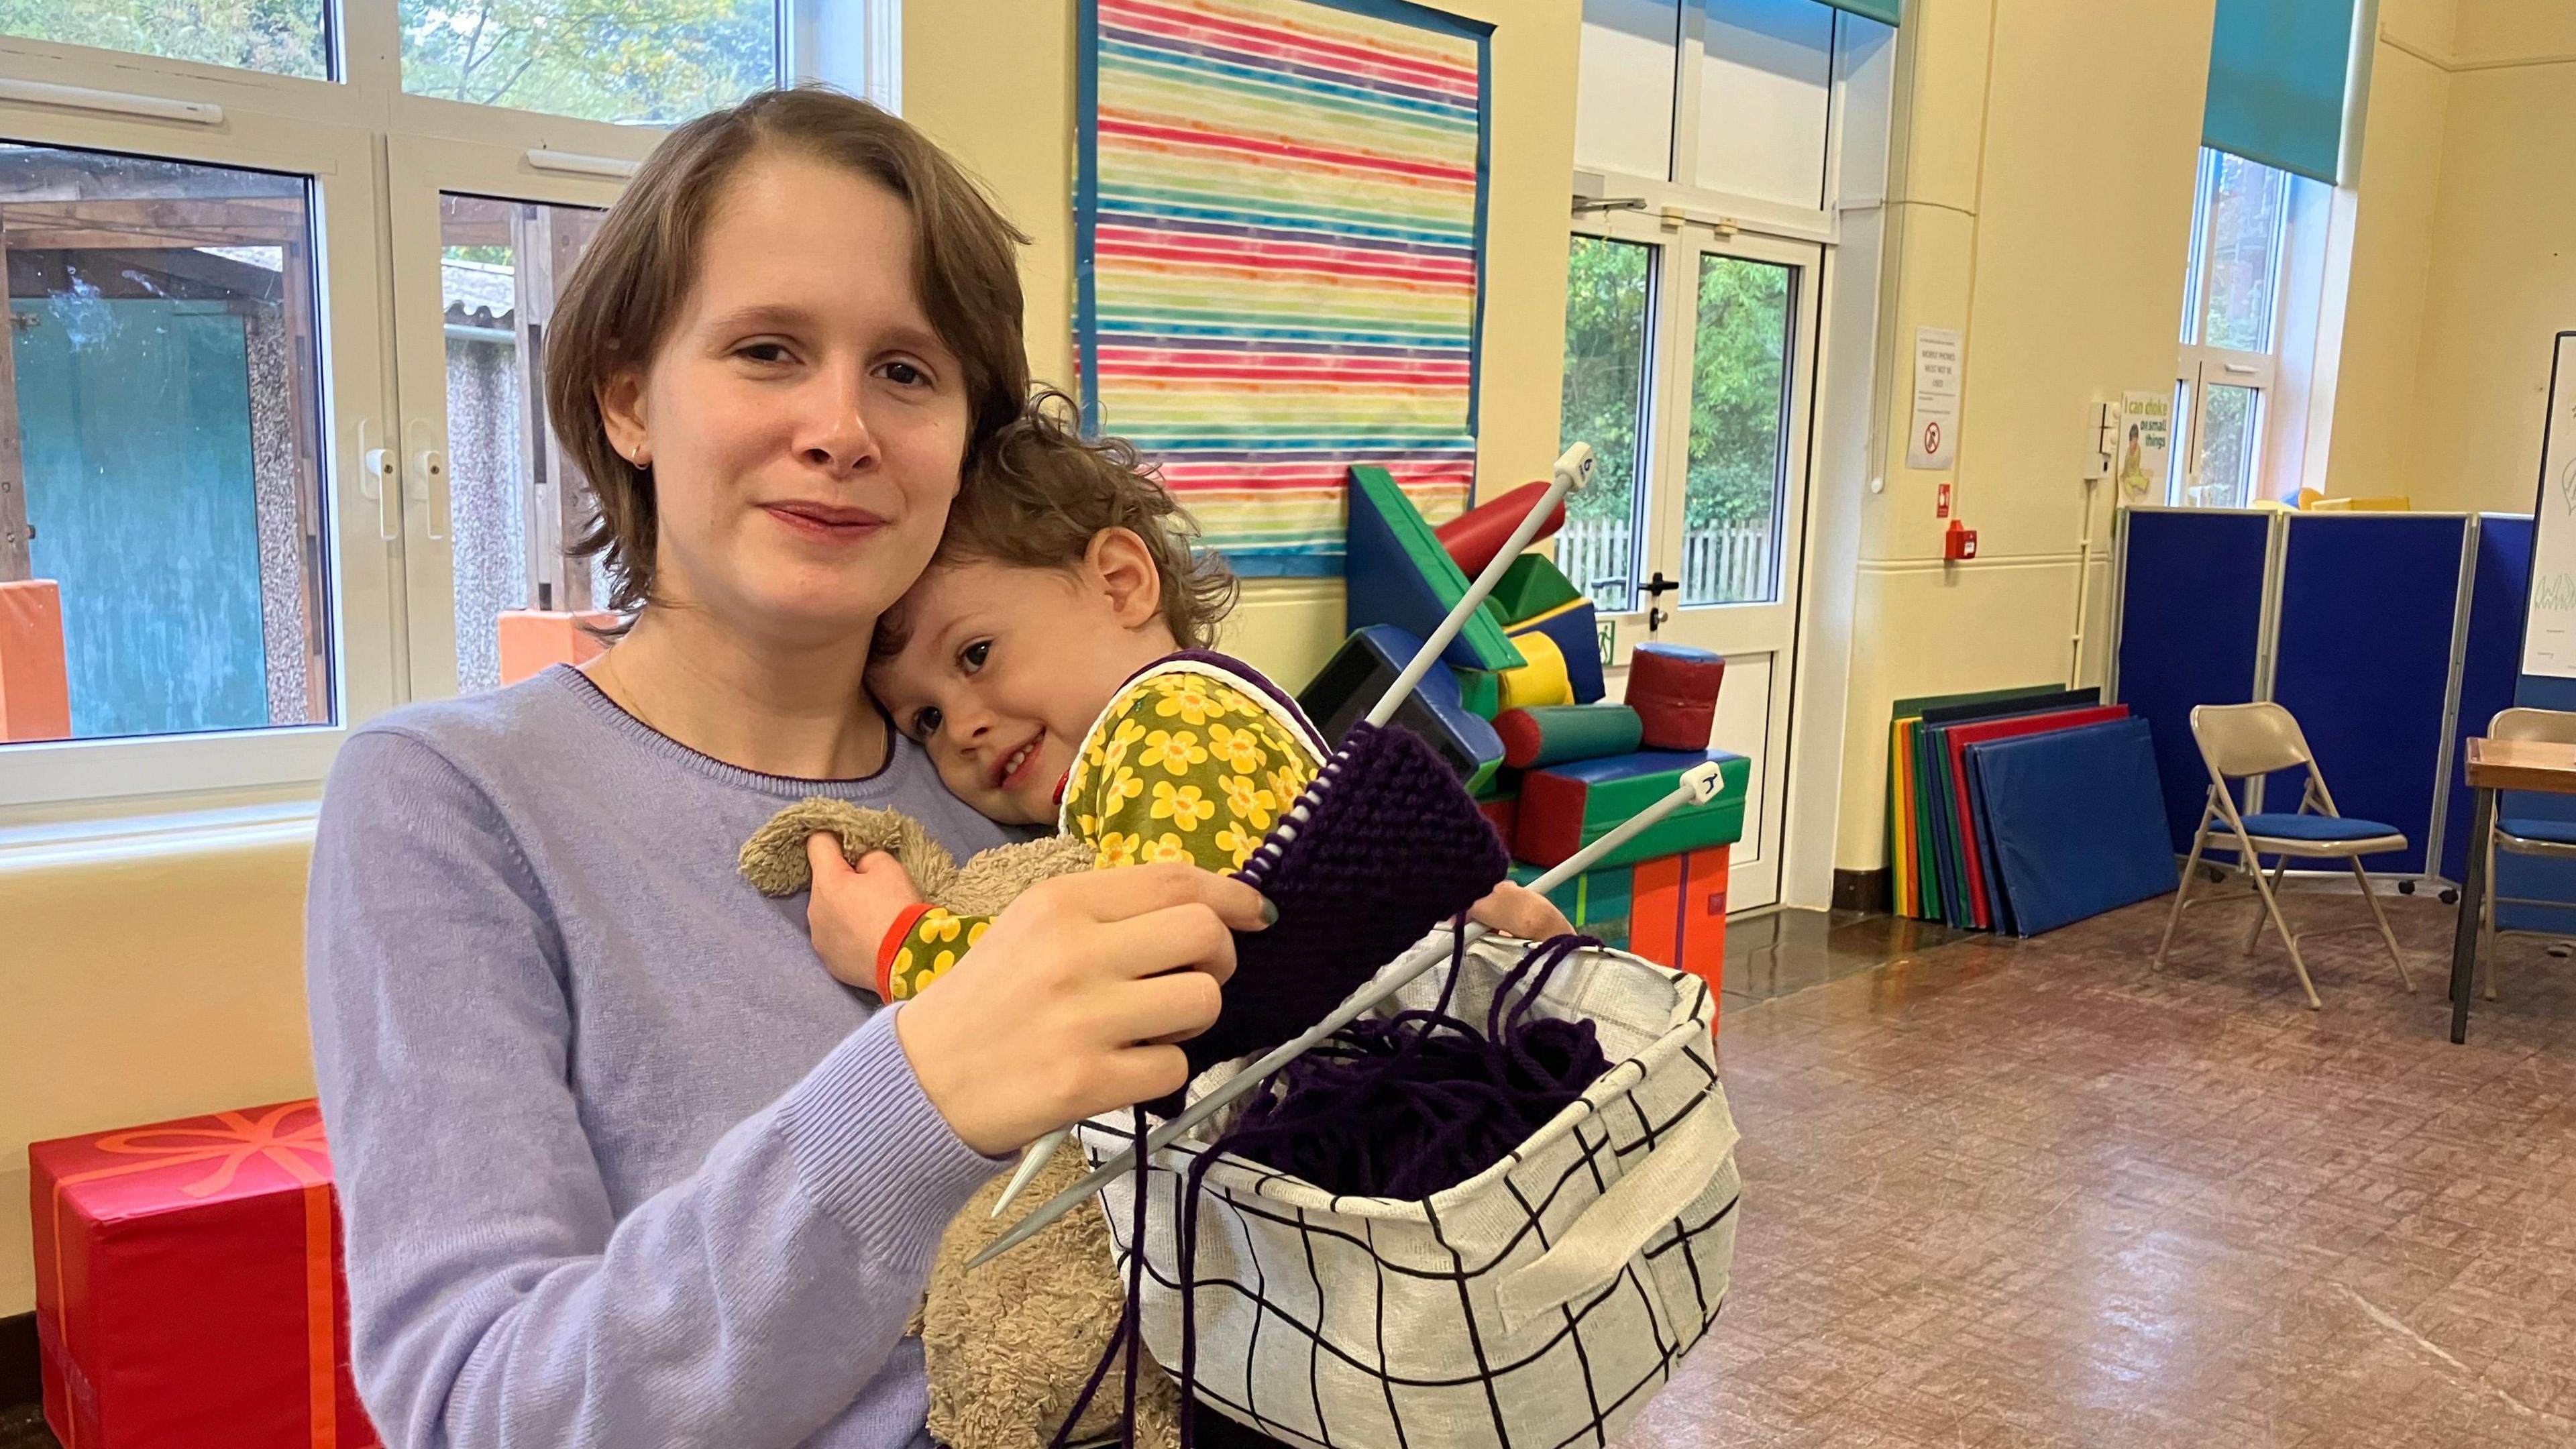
(1187, 763)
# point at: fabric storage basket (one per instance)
(1541, 1302)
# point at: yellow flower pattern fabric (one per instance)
(1183, 765)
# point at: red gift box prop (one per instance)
(1677, 914)
(188, 1286)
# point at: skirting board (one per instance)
(19, 1383)
(1862, 890)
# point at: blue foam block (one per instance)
(1396, 573)
(1356, 677)
(2077, 820)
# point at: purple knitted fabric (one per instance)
(1384, 845)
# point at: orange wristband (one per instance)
(900, 932)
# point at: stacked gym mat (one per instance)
(1518, 709)
(2020, 810)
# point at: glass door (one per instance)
(1689, 369)
(483, 242)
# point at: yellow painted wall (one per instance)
(161, 984)
(1006, 109)
(2500, 277)
(2041, 202)
(2375, 417)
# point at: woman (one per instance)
(620, 1163)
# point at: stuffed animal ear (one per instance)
(774, 860)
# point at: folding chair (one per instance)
(2518, 835)
(2241, 740)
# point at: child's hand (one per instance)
(1516, 910)
(852, 910)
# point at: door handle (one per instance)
(376, 483)
(426, 482)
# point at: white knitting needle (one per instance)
(1573, 469)
(1699, 785)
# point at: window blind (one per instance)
(1882, 11)
(2277, 71)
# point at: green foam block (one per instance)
(1532, 586)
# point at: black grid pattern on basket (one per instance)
(1601, 1336)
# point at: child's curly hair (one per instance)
(1038, 491)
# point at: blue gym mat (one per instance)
(2078, 822)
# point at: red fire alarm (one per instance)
(1959, 543)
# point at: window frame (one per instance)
(2200, 367)
(354, 406)
(351, 135)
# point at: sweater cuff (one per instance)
(872, 1151)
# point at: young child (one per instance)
(1053, 661)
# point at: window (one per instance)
(1607, 287)
(282, 37)
(273, 448)
(515, 499)
(1737, 467)
(2228, 383)
(162, 391)
(641, 62)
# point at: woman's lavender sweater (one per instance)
(620, 1164)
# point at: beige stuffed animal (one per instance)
(1010, 1344)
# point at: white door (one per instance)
(482, 240)
(1689, 368)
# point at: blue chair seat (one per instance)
(2322, 829)
(2555, 832)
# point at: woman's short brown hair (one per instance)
(633, 281)
(1038, 492)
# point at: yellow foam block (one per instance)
(2363, 505)
(1543, 680)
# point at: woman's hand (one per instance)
(1069, 1005)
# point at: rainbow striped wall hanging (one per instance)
(1279, 243)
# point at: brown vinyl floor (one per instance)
(2027, 1194)
(2005, 1193)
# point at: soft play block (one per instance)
(1578, 638)
(1532, 586)
(1566, 807)
(1543, 680)
(1553, 734)
(1673, 688)
(35, 684)
(188, 1285)
(1679, 915)
(1596, 902)
(1475, 536)
(1480, 692)
(532, 639)
(1502, 811)
(1357, 677)
(1398, 574)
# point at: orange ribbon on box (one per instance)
(226, 1148)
